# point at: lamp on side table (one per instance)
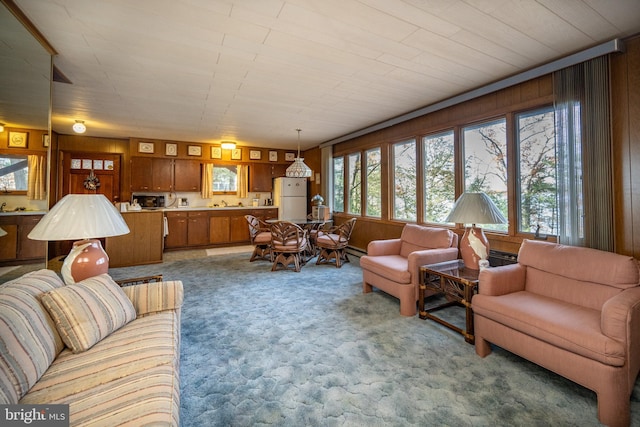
(87, 217)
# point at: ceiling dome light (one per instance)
(79, 127)
(228, 145)
(298, 169)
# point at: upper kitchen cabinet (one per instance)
(149, 174)
(261, 176)
(157, 174)
(187, 175)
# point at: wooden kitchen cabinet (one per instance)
(150, 174)
(261, 176)
(239, 229)
(144, 243)
(198, 228)
(177, 223)
(219, 227)
(28, 248)
(187, 229)
(187, 175)
(16, 245)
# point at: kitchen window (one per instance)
(14, 174)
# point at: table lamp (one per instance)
(86, 217)
(474, 208)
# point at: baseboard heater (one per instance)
(498, 258)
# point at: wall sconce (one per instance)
(228, 145)
(79, 127)
(1, 127)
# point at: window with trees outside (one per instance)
(338, 184)
(373, 184)
(354, 183)
(14, 173)
(404, 180)
(439, 176)
(485, 164)
(536, 186)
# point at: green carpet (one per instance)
(310, 349)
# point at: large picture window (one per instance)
(439, 176)
(536, 186)
(355, 183)
(338, 184)
(485, 164)
(373, 185)
(404, 180)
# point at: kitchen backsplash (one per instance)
(194, 200)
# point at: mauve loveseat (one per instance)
(572, 310)
(112, 354)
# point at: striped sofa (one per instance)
(112, 354)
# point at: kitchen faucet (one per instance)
(2, 206)
(223, 203)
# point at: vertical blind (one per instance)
(583, 144)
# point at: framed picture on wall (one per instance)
(290, 157)
(216, 152)
(45, 140)
(273, 156)
(146, 147)
(255, 154)
(194, 150)
(236, 154)
(171, 149)
(18, 139)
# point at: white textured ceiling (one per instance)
(255, 70)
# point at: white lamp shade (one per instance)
(475, 208)
(298, 169)
(2, 232)
(80, 216)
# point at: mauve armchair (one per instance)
(393, 265)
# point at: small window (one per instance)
(14, 173)
(225, 179)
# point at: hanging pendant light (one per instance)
(298, 169)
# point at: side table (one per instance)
(457, 283)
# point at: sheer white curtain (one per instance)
(583, 144)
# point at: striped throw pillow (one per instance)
(29, 341)
(88, 311)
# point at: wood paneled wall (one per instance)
(625, 131)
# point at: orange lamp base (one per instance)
(86, 259)
(474, 247)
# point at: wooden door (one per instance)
(76, 174)
(162, 174)
(178, 229)
(198, 230)
(141, 168)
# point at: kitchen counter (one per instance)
(205, 208)
(9, 213)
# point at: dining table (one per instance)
(309, 224)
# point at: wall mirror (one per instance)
(25, 94)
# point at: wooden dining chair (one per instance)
(332, 243)
(260, 238)
(288, 243)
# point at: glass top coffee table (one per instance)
(458, 284)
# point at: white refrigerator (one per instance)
(290, 196)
